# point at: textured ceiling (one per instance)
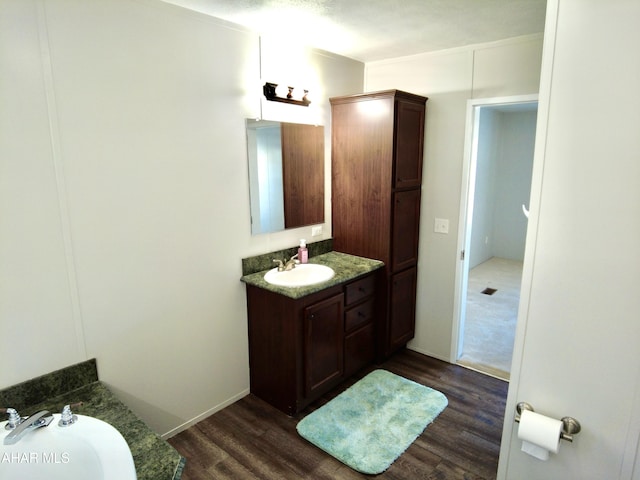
(369, 30)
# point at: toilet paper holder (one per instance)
(570, 426)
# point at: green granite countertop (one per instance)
(347, 267)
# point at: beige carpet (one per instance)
(490, 322)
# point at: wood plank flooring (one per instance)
(251, 439)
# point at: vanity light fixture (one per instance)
(269, 90)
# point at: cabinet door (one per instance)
(359, 349)
(409, 144)
(323, 344)
(406, 222)
(402, 313)
(361, 171)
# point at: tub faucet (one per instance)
(37, 420)
(14, 418)
(67, 417)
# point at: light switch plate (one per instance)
(441, 225)
(317, 230)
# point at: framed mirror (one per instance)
(286, 175)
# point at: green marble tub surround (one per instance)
(31, 392)
(153, 457)
(263, 262)
(346, 267)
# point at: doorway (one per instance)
(499, 146)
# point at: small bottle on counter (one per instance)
(303, 253)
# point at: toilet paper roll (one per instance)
(539, 434)
(535, 451)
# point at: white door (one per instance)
(577, 347)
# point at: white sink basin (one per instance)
(302, 275)
(88, 449)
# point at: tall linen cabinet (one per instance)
(377, 149)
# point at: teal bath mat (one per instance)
(371, 423)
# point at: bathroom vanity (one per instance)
(303, 341)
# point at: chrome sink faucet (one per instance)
(288, 265)
(37, 420)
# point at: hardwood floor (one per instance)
(251, 439)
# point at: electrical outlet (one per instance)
(441, 225)
(317, 230)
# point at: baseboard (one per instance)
(495, 373)
(429, 354)
(205, 414)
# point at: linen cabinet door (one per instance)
(323, 344)
(406, 223)
(409, 144)
(402, 315)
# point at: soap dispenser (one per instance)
(303, 253)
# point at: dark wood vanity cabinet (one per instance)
(323, 350)
(377, 149)
(359, 324)
(301, 348)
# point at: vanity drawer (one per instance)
(356, 291)
(359, 315)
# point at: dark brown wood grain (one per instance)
(250, 439)
(302, 174)
(301, 348)
(361, 169)
(377, 144)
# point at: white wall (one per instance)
(484, 200)
(449, 79)
(124, 209)
(513, 183)
(503, 184)
(36, 285)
